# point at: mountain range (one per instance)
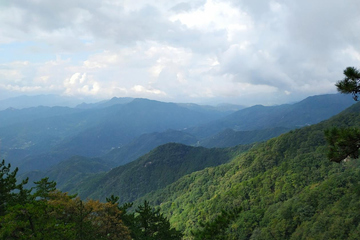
(285, 187)
(121, 130)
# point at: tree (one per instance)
(351, 83)
(153, 225)
(216, 229)
(35, 218)
(345, 142)
(11, 193)
(147, 223)
(44, 188)
(51, 214)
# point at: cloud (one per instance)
(201, 50)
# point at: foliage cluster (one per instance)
(146, 223)
(46, 213)
(345, 142)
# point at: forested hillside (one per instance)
(155, 170)
(286, 188)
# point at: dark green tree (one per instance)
(152, 225)
(345, 142)
(216, 229)
(43, 188)
(146, 223)
(351, 83)
(11, 192)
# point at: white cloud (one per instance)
(138, 89)
(79, 83)
(203, 50)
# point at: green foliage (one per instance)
(51, 214)
(216, 229)
(351, 83)
(146, 223)
(150, 224)
(343, 143)
(44, 188)
(11, 193)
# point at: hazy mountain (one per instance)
(50, 100)
(146, 142)
(32, 131)
(230, 137)
(105, 103)
(284, 115)
(12, 116)
(221, 108)
(126, 122)
(40, 137)
(44, 136)
(70, 172)
(306, 112)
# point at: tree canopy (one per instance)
(44, 212)
(351, 83)
(345, 142)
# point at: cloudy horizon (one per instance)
(201, 51)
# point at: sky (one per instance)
(200, 51)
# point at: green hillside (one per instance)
(286, 187)
(155, 170)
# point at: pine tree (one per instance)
(345, 142)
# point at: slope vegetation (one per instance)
(155, 170)
(286, 187)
